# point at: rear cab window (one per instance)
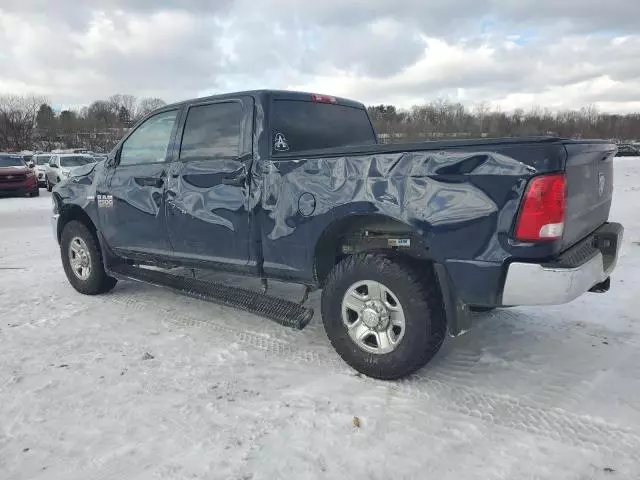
(298, 125)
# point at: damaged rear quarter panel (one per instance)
(461, 202)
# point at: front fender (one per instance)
(78, 193)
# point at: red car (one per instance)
(16, 177)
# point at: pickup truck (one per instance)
(404, 240)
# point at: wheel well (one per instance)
(74, 212)
(363, 233)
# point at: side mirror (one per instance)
(54, 166)
(112, 159)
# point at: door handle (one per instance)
(237, 181)
(150, 182)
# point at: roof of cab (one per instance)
(265, 94)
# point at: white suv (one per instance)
(61, 166)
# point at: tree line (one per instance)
(445, 119)
(29, 122)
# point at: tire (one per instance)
(48, 185)
(416, 293)
(95, 280)
(35, 193)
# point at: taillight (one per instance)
(541, 216)
(323, 98)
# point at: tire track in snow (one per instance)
(509, 318)
(504, 411)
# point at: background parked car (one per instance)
(16, 177)
(628, 150)
(41, 160)
(61, 166)
(28, 158)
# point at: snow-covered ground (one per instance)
(146, 384)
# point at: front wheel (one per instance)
(82, 260)
(384, 317)
(48, 185)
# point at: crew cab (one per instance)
(404, 239)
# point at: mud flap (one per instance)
(458, 313)
(282, 311)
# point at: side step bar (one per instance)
(282, 311)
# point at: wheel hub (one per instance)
(375, 315)
(79, 258)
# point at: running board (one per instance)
(282, 311)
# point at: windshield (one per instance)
(75, 161)
(41, 159)
(7, 161)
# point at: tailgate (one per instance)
(589, 170)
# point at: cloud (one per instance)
(511, 53)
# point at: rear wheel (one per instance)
(383, 317)
(82, 260)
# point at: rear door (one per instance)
(208, 191)
(131, 199)
(589, 189)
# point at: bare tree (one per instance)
(17, 120)
(481, 109)
(148, 105)
(125, 107)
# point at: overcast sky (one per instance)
(510, 53)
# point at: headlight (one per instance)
(65, 171)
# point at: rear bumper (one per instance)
(574, 273)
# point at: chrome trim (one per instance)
(533, 284)
(54, 225)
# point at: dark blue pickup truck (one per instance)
(404, 240)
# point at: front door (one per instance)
(207, 193)
(131, 199)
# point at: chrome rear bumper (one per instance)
(574, 273)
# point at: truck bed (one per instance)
(498, 168)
